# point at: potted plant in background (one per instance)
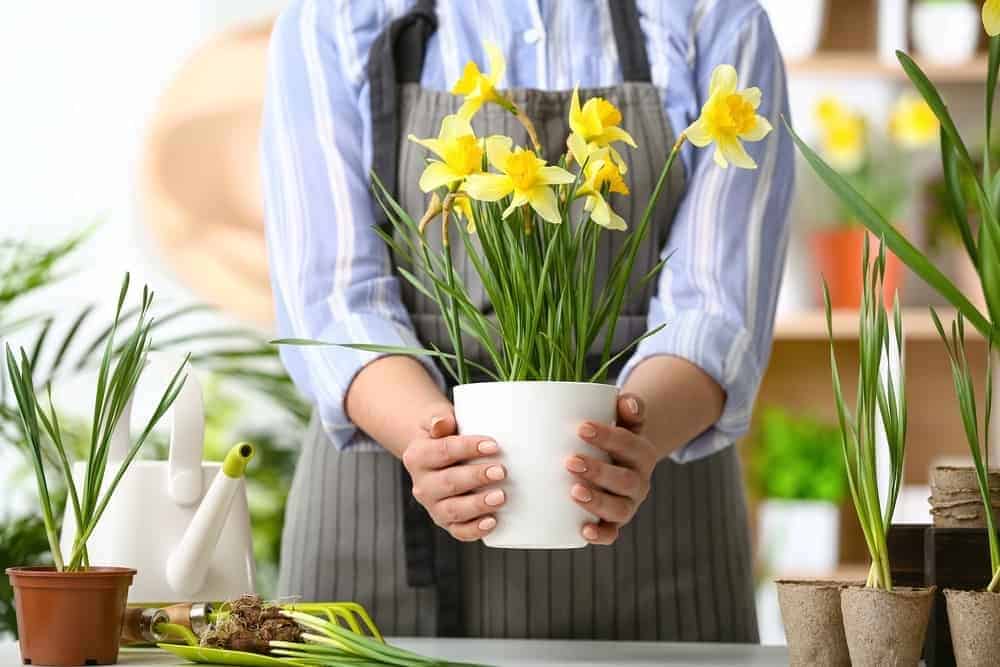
(797, 469)
(945, 32)
(880, 172)
(974, 615)
(87, 600)
(797, 25)
(534, 252)
(883, 625)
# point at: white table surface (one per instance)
(527, 653)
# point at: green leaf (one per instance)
(903, 249)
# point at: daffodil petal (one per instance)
(991, 17)
(488, 187)
(498, 150)
(469, 107)
(433, 145)
(467, 82)
(543, 200)
(734, 153)
(618, 160)
(752, 96)
(602, 214)
(762, 127)
(577, 147)
(551, 175)
(497, 63)
(454, 126)
(615, 133)
(723, 81)
(437, 174)
(698, 134)
(575, 114)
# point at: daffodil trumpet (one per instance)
(532, 233)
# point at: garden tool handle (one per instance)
(196, 616)
(138, 626)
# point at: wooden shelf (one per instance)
(862, 64)
(811, 325)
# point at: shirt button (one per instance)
(532, 35)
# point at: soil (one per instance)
(250, 625)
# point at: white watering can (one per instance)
(183, 524)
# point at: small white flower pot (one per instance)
(535, 425)
(797, 25)
(799, 537)
(946, 33)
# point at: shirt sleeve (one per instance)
(331, 275)
(717, 293)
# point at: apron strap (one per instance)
(397, 56)
(631, 42)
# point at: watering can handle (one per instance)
(187, 430)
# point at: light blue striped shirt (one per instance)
(331, 274)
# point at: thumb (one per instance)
(441, 421)
(631, 412)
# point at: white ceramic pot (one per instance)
(535, 425)
(799, 537)
(797, 25)
(946, 33)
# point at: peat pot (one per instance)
(886, 628)
(70, 618)
(814, 624)
(974, 617)
(535, 426)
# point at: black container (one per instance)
(956, 558)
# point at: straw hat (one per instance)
(199, 190)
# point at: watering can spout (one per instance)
(187, 565)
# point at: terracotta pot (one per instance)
(838, 253)
(814, 624)
(70, 618)
(974, 617)
(886, 628)
(955, 499)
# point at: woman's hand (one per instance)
(613, 491)
(446, 483)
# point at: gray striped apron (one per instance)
(681, 570)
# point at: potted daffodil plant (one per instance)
(972, 616)
(531, 228)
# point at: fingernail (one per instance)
(590, 531)
(576, 464)
(587, 431)
(488, 447)
(582, 493)
(494, 498)
(633, 405)
(435, 420)
(488, 523)
(496, 473)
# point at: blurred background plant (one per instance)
(242, 376)
(797, 457)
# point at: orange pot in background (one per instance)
(838, 253)
(70, 618)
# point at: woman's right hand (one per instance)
(447, 483)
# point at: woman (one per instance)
(349, 81)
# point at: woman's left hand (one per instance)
(613, 491)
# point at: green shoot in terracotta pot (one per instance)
(121, 366)
(976, 432)
(880, 398)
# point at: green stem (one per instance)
(994, 586)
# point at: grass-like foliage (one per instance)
(880, 406)
(976, 432)
(118, 375)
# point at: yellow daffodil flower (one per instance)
(460, 152)
(523, 175)
(729, 115)
(461, 205)
(991, 17)
(598, 123)
(912, 123)
(843, 135)
(599, 172)
(479, 88)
